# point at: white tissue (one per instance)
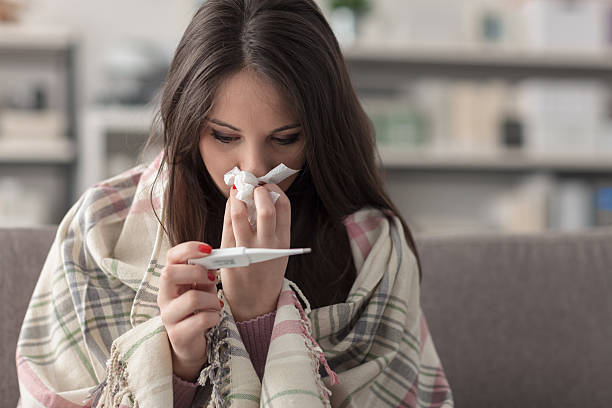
(246, 183)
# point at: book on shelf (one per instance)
(537, 116)
(603, 205)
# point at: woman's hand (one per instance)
(189, 306)
(253, 290)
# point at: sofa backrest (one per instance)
(522, 321)
(518, 321)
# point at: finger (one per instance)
(266, 214)
(187, 274)
(181, 253)
(177, 279)
(240, 221)
(283, 214)
(191, 328)
(227, 236)
(189, 303)
(210, 286)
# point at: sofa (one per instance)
(518, 320)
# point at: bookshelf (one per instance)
(38, 162)
(444, 186)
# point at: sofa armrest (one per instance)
(22, 254)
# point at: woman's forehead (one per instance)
(247, 97)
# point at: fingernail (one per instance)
(234, 186)
(222, 304)
(211, 276)
(205, 248)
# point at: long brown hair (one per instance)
(289, 43)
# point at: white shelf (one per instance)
(424, 159)
(60, 151)
(485, 56)
(478, 62)
(21, 37)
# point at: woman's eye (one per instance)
(223, 138)
(289, 139)
(286, 140)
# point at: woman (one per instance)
(119, 318)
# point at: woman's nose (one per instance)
(255, 163)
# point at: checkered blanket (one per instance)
(92, 334)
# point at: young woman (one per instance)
(120, 318)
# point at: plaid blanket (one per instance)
(92, 335)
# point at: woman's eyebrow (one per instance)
(280, 129)
(287, 127)
(227, 125)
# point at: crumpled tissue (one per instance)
(246, 183)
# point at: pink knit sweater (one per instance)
(255, 335)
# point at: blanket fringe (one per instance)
(313, 346)
(217, 370)
(114, 388)
(95, 394)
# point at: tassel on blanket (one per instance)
(306, 330)
(217, 370)
(95, 394)
(112, 391)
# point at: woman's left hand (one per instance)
(253, 290)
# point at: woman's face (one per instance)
(250, 127)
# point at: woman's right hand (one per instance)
(189, 306)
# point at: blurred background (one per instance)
(490, 114)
